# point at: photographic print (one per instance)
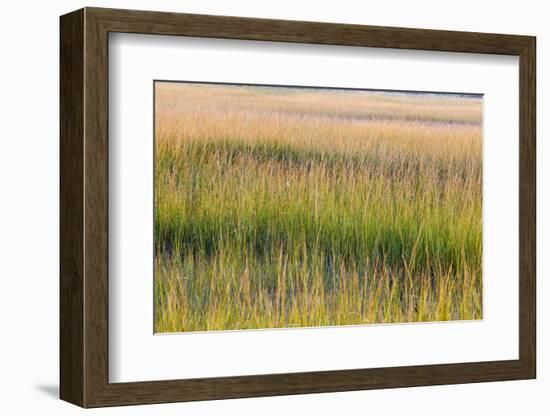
(283, 207)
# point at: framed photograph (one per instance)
(255, 207)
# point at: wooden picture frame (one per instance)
(84, 207)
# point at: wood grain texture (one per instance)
(162, 23)
(71, 203)
(527, 207)
(84, 207)
(96, 208)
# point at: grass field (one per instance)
(282, 207)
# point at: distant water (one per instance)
(342, 90)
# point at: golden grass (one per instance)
(284, 207)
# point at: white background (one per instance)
(29, 218)
(136, 60)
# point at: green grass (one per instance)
(262, 233)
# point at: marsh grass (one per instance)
(288, 207)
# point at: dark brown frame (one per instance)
(84, 207)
